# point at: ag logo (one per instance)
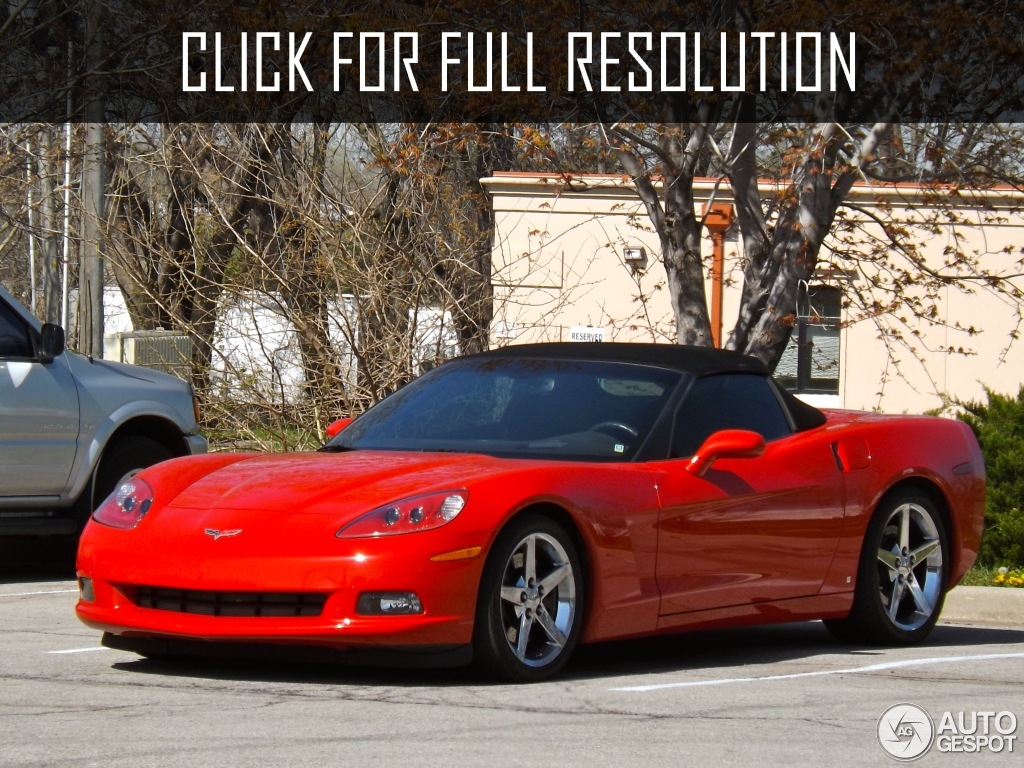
(905, 731)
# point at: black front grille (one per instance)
(231, 603)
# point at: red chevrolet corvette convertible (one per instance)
(506, 506)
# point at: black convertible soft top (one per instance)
(698, 361)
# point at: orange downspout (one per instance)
(717, 219)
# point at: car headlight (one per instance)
(419, 513)
(126, 506)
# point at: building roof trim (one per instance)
(517, 182)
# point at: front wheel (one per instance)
(530, 607)
(903, 574)
(126, 457)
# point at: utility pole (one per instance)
(50, 310)
(90, 274)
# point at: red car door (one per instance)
(750, 529)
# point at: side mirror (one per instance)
(336, 426)
(51, 342)
(726, 444)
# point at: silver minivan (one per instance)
(72, 427)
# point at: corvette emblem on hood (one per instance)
(221, 534)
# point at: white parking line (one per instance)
(78, 650)
(822, 673)
(44, 592)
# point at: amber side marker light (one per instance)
(458, 554)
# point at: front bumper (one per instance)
(118, 577)
(197, 444)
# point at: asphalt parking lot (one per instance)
(782, 695)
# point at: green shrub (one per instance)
(999, 426)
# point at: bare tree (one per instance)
(817, 162)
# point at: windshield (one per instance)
(519, 408)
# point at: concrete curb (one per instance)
(990, 606)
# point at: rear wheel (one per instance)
(903, 573)
(530, 608)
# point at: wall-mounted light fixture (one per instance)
(635, 257)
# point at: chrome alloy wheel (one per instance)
(910, 567)
(538, 599)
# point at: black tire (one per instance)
(548, 604)
(124, 458)
(902, 576)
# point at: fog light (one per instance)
(86, 591)
(388, 603)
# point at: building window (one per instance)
(810, 363)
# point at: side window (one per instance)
(14, 338)
(727, 401)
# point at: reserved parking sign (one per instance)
(585, 333)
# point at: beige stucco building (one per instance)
(578, 258)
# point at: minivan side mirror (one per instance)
(725, 444)
(51, 342)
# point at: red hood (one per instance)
(330, 482)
